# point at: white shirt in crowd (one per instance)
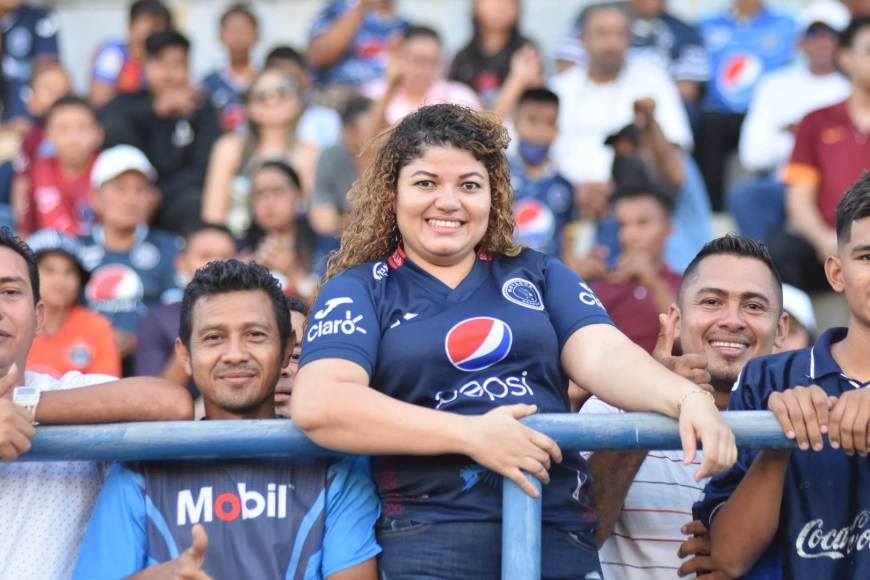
(46, 505)
(589, 112)
(647, 534)
(781, 100)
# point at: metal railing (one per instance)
(521, 521)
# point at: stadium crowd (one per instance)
(406, 252)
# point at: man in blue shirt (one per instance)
(810, 506)
(272, 518)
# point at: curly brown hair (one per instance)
(373, 234)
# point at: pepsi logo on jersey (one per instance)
(475, 344)
(349, 325)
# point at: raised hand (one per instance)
(498, 441)
(692, 366)
(16, 424)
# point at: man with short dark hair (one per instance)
(171, 123)
(803, 513)
(728, 311)
(271, 518)
(46, 505)
(284, 388)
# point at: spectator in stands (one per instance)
(414, 78)
(155, 338)
(858, 8)
(131, 265)
(597, 99)
(50, 82)
(348, 41)
(318, 124)
(746, 41)
(239, 32)
(119, 65)
(58, 187)
(802, 513)
(46, 505)
(274, 107)
(485, 62)
(779, 103)
(171, 123)
(396, 333)
(284, 388)
(640, 286)
(802, 331)
(659, 37)
(297, 517)
(279, 237)
(72, 338)
(728, 311)
(543, 199)
(337, 169)
(830, 153)
(29, 38)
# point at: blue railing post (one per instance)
(521, 532)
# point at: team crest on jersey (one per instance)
(477, 343)
(523, 293)
(380, 271)
(80, 355)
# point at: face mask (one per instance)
(532, 153)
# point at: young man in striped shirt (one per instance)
(728, 311)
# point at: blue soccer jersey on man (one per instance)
(124, 285)
(295, 518)
(494, 340)
(742, 52)
(824, 524)
(542, 208)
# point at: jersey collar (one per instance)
(822, 362)
(99, 235)
(400, 262)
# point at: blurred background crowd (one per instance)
(140, 141)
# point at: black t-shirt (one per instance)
(485, 73)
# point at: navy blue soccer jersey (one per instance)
(494, 340)
(542, 208)
(124, 285)
(824, 525)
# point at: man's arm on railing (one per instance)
(133, 399)
(738, 539)
(612, 475)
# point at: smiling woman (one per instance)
(435, 332)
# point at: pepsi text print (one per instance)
(491, 388)
(836, 543)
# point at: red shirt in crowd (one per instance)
(53, 202)
(632, 308)
(831, 153)
(84, 343)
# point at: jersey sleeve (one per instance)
(570, 302)
(343, 324)
(327, 16)
(116, 543)
(45, 40)
(747, 395)
(803, 167)
(352, 508)
(108, 62)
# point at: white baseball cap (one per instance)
(799, 306)
(120, 159)
(831, 13)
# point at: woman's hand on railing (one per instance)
(700, 420)
(498, 441)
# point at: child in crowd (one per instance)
(280, 238)
(57, 194)
(50, 82)
(543, 199)
(239, 32)
(72, 337)
(155, 342)
(132, 266)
